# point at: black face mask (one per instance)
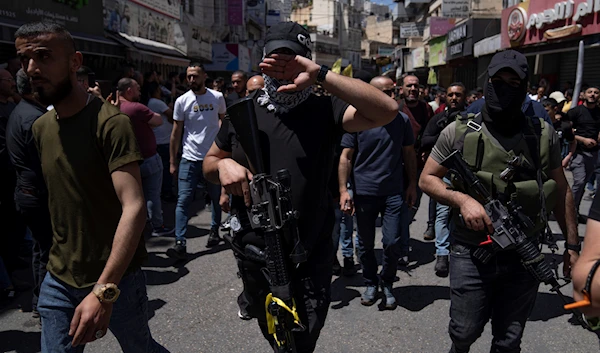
(502, 108)
(501, 97)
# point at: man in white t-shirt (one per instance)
(163, 138)
(197, 117)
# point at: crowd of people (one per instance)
(84, 174)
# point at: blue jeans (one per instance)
(190, 175)
(342, 232)
(501, 290)
(395, 223)
(442, 230)
(167, 179)
(129, 320)
(152, 171)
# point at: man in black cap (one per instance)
(500, 289)
(299, 131)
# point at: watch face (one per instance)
(109, 294)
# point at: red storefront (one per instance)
(548, 32)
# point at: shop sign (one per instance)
(437, 51)
(457, 34)
(200, 45)
(171, 8)
(418, 57)
(456, 8)
(410, 30)
(487, 46)
(532, 22)
(75, 15)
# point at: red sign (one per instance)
(440, 26)
(537, 21)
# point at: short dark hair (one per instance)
(151, 88)
(550, 102)
(36, 29)
(472, 92)
(23, 83)
(569, 92)
(241, 73)
(479, 90)
(219, 79)
(83, 71)
(124, 84)
(197, 64)
(458, 84)
(404, 78)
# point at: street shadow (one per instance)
(153, 306)
(422, 253)
(156, 278)
(341, 293)
(417, 298)
(20, 342)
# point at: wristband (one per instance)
(321, 74)
(574, 247)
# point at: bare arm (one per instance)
(219, 168)
(369, 107)
(344, 169)
(175, 143)
(589, 256)
(128, 186)
(169, 114)
(431, 183)
(156, 120)
(566, 217)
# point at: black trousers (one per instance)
(36, 216)
(311, 285)
(13, 234)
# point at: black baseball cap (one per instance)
(509, 59)
(288, 35)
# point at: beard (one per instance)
(196, 87)
(56, 94)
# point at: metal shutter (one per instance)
(591, 66)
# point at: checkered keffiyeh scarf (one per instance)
(281, 102)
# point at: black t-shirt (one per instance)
(6, 171)
(586, 123)
(21, 147)
(303, 142)
(232, 98)
(564, 130)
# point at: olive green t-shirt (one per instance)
(78, 155)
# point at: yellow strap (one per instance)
(272, 321)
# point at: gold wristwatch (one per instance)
(106, 293)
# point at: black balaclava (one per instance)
(503, 104)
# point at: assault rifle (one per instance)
(273, 217)
(508, 223)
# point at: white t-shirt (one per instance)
(200, 116)
(162, 132)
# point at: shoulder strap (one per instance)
(473, 123)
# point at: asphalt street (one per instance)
(193, 307)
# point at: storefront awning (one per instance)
(487, 46)
(140, 48)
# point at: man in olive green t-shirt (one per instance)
(90, 162)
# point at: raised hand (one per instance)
(298, 69)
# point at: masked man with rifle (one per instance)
(297, 131)
(511, 165)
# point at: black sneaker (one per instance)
(337, 268)
(429, 233)
(441, 266)
(179, 251)
(243, 314)
(213, 238)
(162, 230)
(349, 268)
